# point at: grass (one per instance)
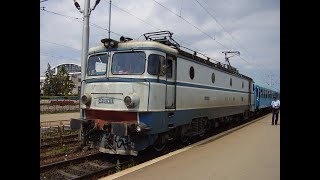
(58, 151)
(61, 150)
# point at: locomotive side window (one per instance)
(97, 65)
(230, 81)
(169, 68)
(155, 63)
(242, 84)
(128, 63)
(191, 72)
(213, 78)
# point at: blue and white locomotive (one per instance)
(145, 93)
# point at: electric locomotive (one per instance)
(146, 93)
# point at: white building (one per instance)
(41, 84)
(74, 71)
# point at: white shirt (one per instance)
(275, 104)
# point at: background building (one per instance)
(74, 70)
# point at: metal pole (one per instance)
(109, 18)
(85, 46)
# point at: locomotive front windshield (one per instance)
(128, 63)
(97, 65)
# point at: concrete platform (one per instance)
(58, 116)
(248, 153)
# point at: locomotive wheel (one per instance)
(201, 134)
(184, 138)
(159, 146)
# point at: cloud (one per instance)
(249, 26)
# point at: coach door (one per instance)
(249, 97)
(171, 82)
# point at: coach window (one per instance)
(191, 72)
(97, 65)
(154, 64)
(230, 81)
(213, 78)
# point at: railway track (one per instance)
(98, 165)
(58, 141)
(92, 165)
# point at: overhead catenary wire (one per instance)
(198, 51)
(97, 26)
(78, 20)
(54, 56)
(232, 37)
(224, 29)
(192, 25)
(59, 44)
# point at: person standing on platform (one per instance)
(275, 105)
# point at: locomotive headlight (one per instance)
(86, 99)
(131, 100)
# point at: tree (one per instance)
(49, 88)
(64, 84)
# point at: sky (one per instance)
(210, 27)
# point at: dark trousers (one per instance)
(275, 114)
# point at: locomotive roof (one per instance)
(137, 45)
(145, 44)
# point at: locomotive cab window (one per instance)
(97, 65)
(156, 65)
(128, 63)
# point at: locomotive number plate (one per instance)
(105, 100)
